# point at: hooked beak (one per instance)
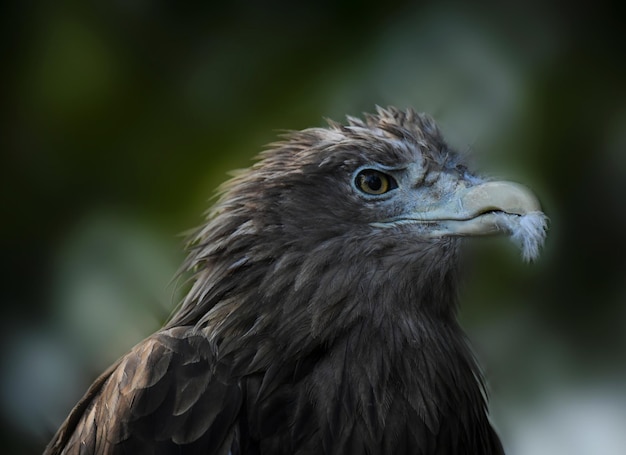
(485, 209)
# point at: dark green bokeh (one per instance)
(121, 119)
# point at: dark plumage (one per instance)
(322, 316)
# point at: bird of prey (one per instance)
(321, 318)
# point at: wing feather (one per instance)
(162, 397)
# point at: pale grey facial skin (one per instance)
(468, 206)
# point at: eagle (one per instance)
(321, 316)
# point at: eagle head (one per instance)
(370, 212)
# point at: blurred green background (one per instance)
(120, 118)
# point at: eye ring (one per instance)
(373, 182)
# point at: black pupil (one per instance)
(372, 181)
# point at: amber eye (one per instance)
(374, 182)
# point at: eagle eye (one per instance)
(374, 182)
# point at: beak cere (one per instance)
(494, 208)
(478, 210)
(507, 197)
